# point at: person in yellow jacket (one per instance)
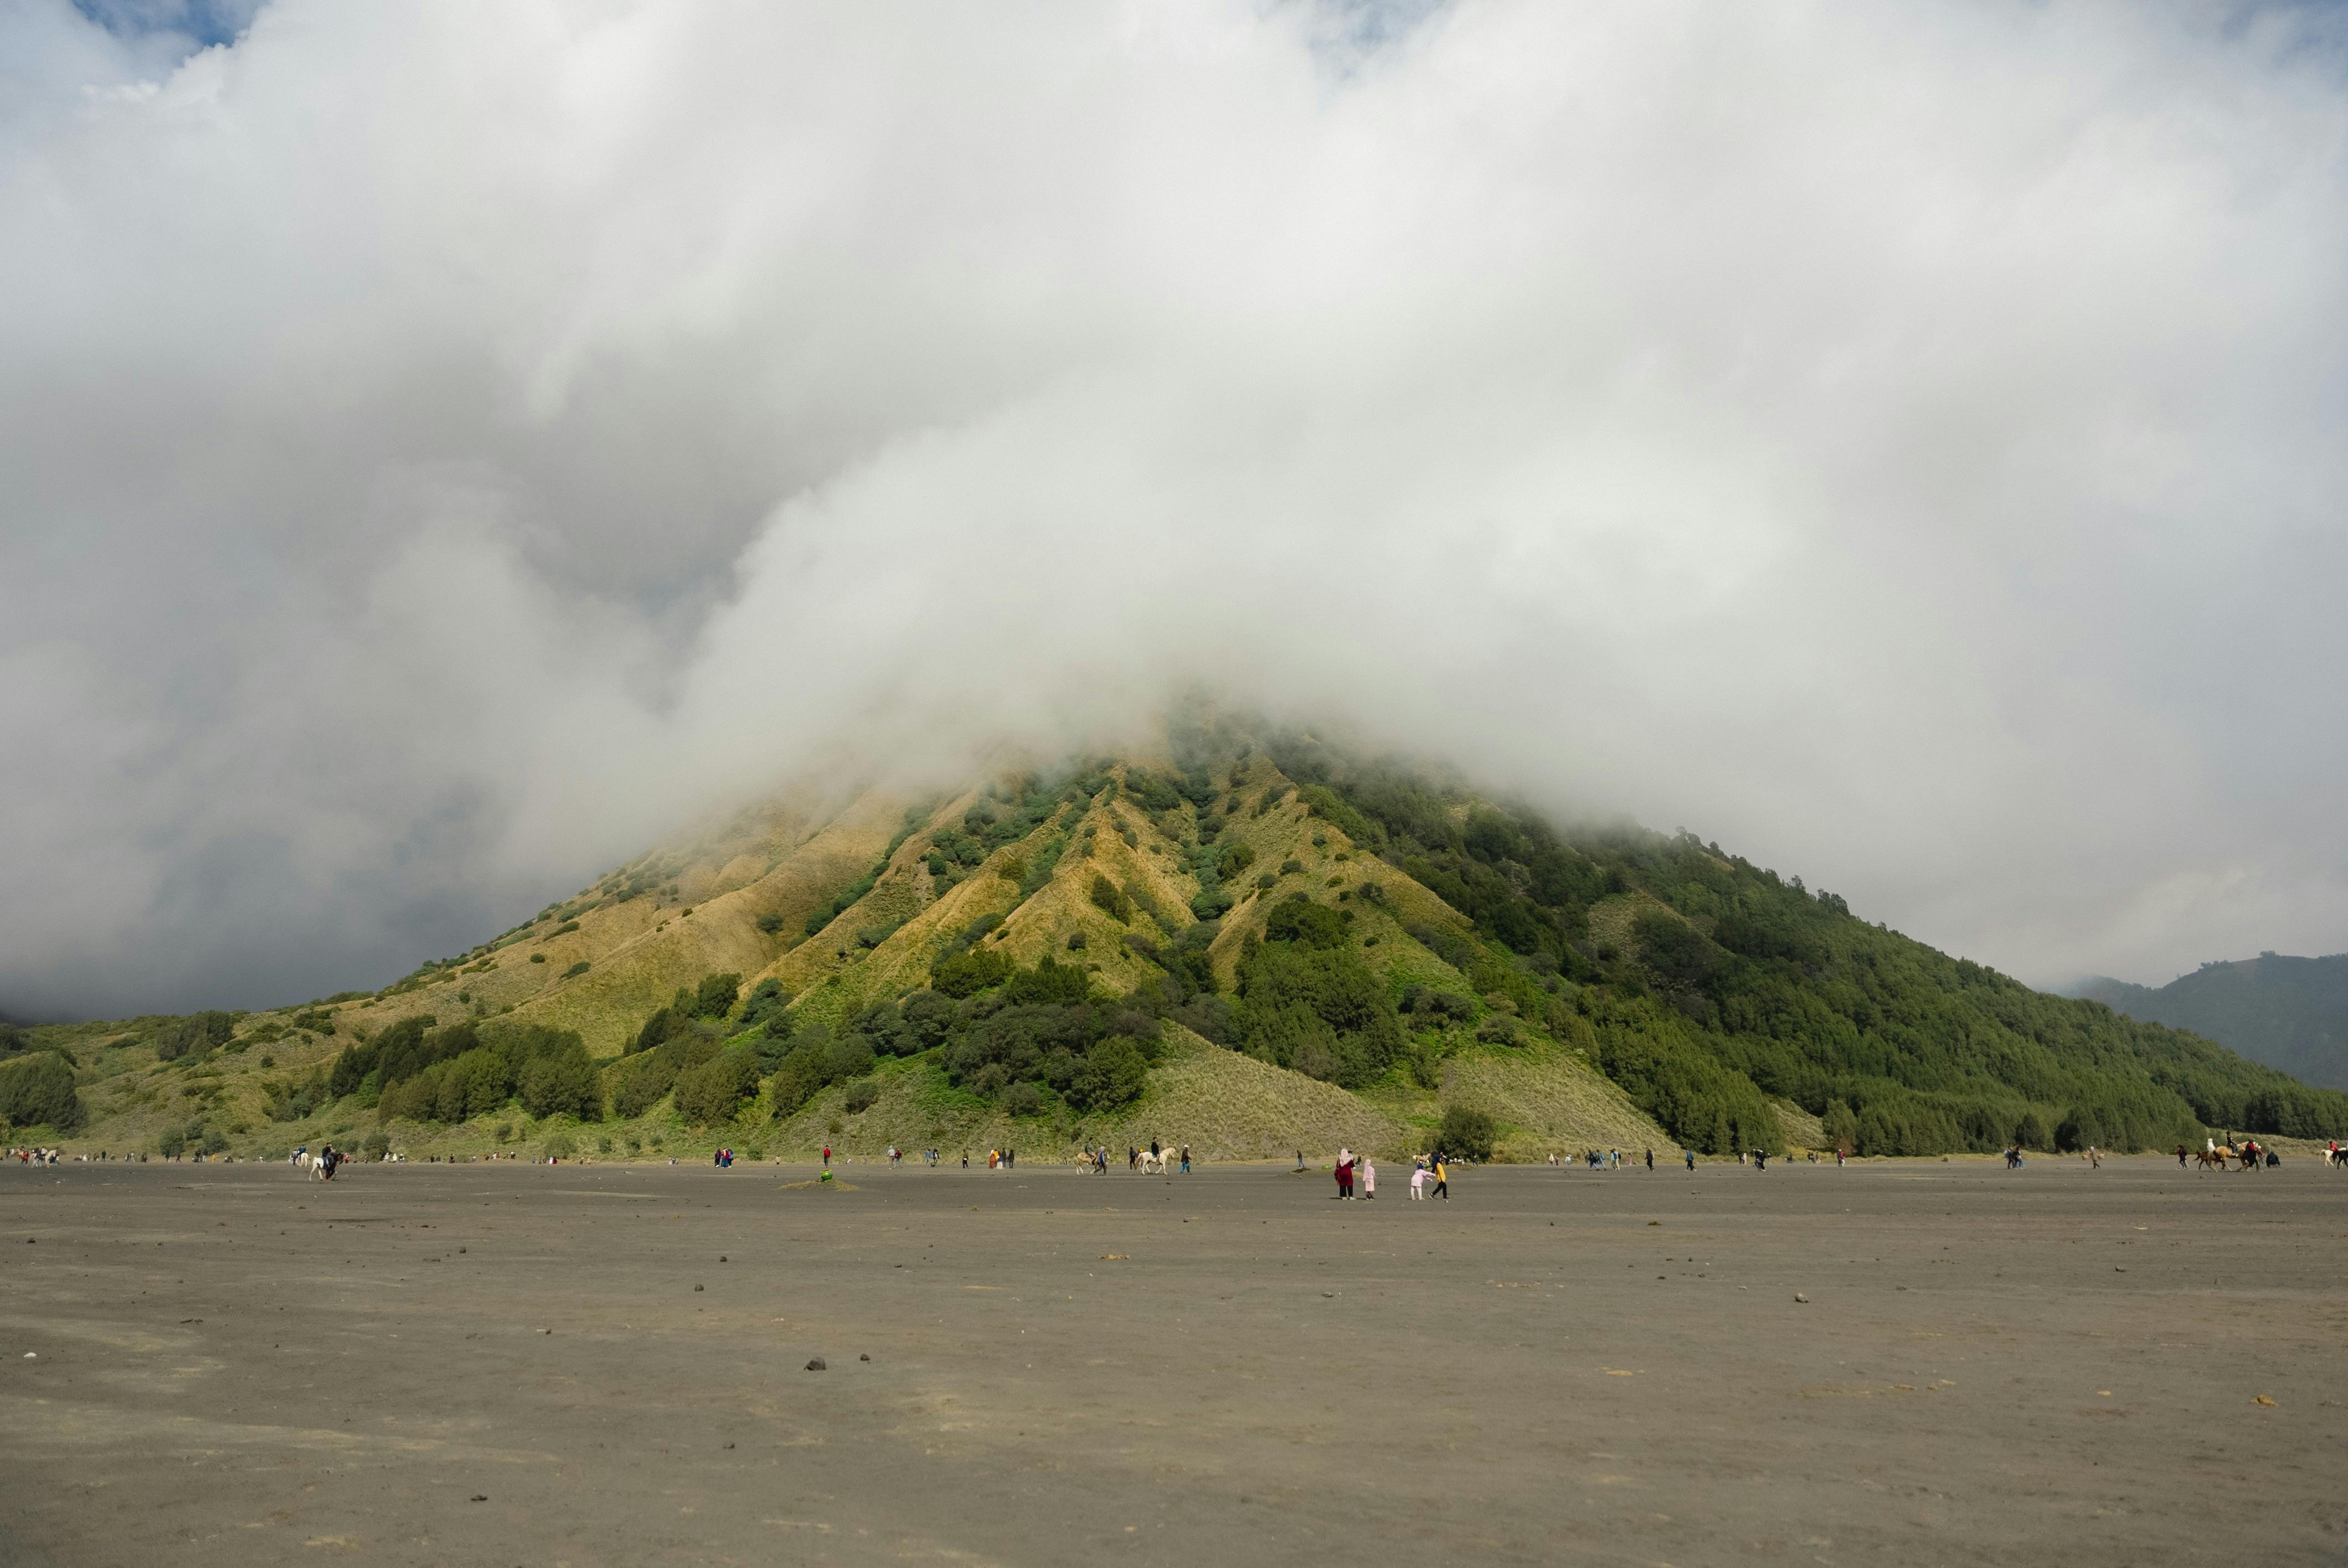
(1443, 1178)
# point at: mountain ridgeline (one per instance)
(1708, 984)
(2288, 1013)
(1241, 936)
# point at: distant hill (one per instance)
(2289, 1014)
(1239, 937)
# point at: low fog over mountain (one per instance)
(451, 446)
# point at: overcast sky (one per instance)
(445, 447)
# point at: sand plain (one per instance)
(606, 1365)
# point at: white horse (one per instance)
(1151, 1165)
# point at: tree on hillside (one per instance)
(466, 1070)
(193, 1035)
(713, 1091)
(561, 1081)
(656, 1029)
(37, 1090)
(1309, 1002)
(1049, 982)
(1466, 1134)
(1113, 1074)
(766, 1006)
(967, 974)
(714, 998)
(1110, 899)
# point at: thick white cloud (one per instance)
(448, 444)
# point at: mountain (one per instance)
(1239, 937)
(2289, 1014)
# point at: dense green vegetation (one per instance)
(36, 1089)
(2288, 1013)
(1733, 984)
(1028, 1039)
(1007, 814)
(1308, 1002)
(193, 1035)
(414, 1072)
(1466, 1134)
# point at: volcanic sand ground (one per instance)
(510, 1364)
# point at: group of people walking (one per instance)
(1610, 1160)
(1430, 1173)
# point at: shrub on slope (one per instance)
(37, 1090)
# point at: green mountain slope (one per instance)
(1242, 939)
(2288, 1013)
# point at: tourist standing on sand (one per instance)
(1650, 1159)
(1369, 1178)
(1185, 1159)
(1442, 1176)
(1344, 1174)
(1691, 1159)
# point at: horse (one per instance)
(1151, 1165)
(2206, 1158)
